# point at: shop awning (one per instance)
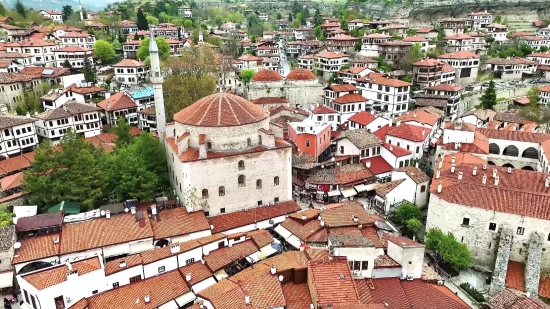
(69, 207)
(333, 193)
(363, 188)
(349, 192)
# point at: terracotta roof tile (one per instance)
(267, 75)
(222, 257)
(445, 87)
(85, 90)
(431, 296)
(362, 117)
(396, 150)
(117, 101)
(384, 261)
(420, 116)
(378, 165)
(177, 222)
(130, 261)
(30, 43)
(383, 290)
(416, 174)
(515, 135)
(514, 299)
(302, 229)
(265, 292)
(296, 295)
(409, 132)
(327, 284)
(270, 100)
(198, 271)
(331, 55)
(384, 188)
(158, 254)
(323, 110)
(301, 74)
(515, 275)
(340, 215)
(459, 55)
(380, 79)
(212, 111)
(261, 238)
(217, 289)
(129, 63)
(39, 221)
(161, 289)
(350, 98)
(43, 279)
(103, 232)
(11, 182)
(237, 219)
(404, 242)
(37, 247)
(343, 174)
(81, 304)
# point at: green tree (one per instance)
(449, 249)
(67, 64)
(295, 23)
(89, 71)
(279, 16)
(543, 49)
(20, 9)
(317, 18)
(122, 131)
(219, 20)
(142, 22)
(164, 48)
(498, 19)
(67, 11)
(188, 23)
(72, 171)
(425, 166)
(2, 10)
(407, 211)
(525, 49)
(357, 46)
(152, 20)
(533, 94)
(246, 75)
(489, 97)
(290, 17)
(414, 225)
(103, 51)
(116, 45)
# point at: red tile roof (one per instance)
(39, 221)
(415, 39)
(222, 257)
(130, 261)
(198, 271)
(303, 229)
(459, 55)
(409, 132)
(11, 182)
(161, 289)
(43, 279)
(427, 62)
(459, 36)
(381, 132)
(30, 43)
(301, 74)
(396, 150)
(129, 63)
(425, 30)
(362, 118)
(103, 232)
(265, 292)
(379, 79)
(323, 110)
(519, 136)
(515, 275)
(404, 242)
(420, 116)
(378, 165)
(177, 222)
(331, 55)
(431, 296)
(514, 299)
(37, 247)
(445, 87)
(117, 101)
(270, 100)
(296, 295)
(343, 38)
(237, 219)
(331, 282)
(213, 111)
(350, 98)
(267, 75)
(340, 215)
(343, 88)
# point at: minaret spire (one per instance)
(156, 80)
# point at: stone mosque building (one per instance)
(301, 87)
(221, 149)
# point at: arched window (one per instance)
(511, 151)
(260, 139)
(258, 184)
(242, 181)
(530, 153)
(209, 145)
(204, 193)
(494, 149)
(248, 142)
(221, 191)
(276, 181)
(241, 165)
(508, 165)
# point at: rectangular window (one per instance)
(364, 265)
(520, 230)
(417, 149)
(27, 295)
(356, 265)
(33, 301)
(115, 285)
(95, 292)
(59, 302)
(492, 226)
(307, 143)
(466, 221)
(189, 261)
(222, 210)
(161, 269)
(276, 200)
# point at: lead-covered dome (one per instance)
(301, 74)
(267, 75)
(221, 110)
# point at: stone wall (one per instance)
(532, 268)
(501, 265)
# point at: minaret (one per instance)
(156, 80)
(201, 36)
(81, 13)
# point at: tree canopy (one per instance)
(407, 211)
(142, 22)
(489, 97)
(164, 48)
(103, 51)
(247, 75)
(67, 11)
(449, 248)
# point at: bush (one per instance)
(473, 292)
(407, 211)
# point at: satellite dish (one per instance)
(102, 213)
(126, 210)
(17, 245)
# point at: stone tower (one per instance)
(201, 36)
(156, 80)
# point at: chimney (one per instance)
(122, 264)
(322, 223)
(440, 187)
(547, 182)
(133, 210)
(484, 166)
(28, 115)
(494, 173)
(460, 175)
(108, 214)
(496, 181)
(441, 163)
(146, 298)
(509, 170)
(423, 132)
(303, 216)
(153, 210)
(273, 269)
(175, 248)
(484, 179)
(367, 164)
(188, 277)
(452, 168)
(247, 300)
(453, 160)
(438, 174)
(391, 123)
(355, 219)
(398, 123)
(474, 172)
(391, 147)
(414, 115)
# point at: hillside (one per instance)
(58, 4)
